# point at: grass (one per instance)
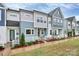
(68, 48)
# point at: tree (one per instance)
(22, 40)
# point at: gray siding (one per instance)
(2, 22)
(54, 24)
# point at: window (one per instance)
(40, 19)
(0, 14)
(37, 20)
(50, 32)
(44, 21)
(28, 31)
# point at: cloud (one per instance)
(67, 9)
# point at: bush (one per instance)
(29, 43)
(22, 40)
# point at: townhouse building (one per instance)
(2, 25)
(33, 24)
(71, 26)
(57, 23)
(77, 27)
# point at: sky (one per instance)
(68, 9)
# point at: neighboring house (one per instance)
(71, 26)
(77, 27)
(2, 25)
(57, 23)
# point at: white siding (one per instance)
(39, 24)
(26, 16)
(16, 35)
(12, 15)
(49, 26)
(3, 39)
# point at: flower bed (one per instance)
(38, 42)
(29, 44)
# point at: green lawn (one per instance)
(68, 48)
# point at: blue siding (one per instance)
(2, 21)
(23, 26)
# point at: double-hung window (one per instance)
(29, 31)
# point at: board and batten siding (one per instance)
(40, 24)
(12, 15)
(26, 16)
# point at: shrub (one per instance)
(29, 43)
(22, 40)
(1, 47)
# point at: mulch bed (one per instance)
(33, 43)
(1, 49)
(40, 42)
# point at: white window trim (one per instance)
(31, 31)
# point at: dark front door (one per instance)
(73, 30)
(70, 34)
(12, 35)
(38, 32)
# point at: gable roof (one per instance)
(53, 11)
